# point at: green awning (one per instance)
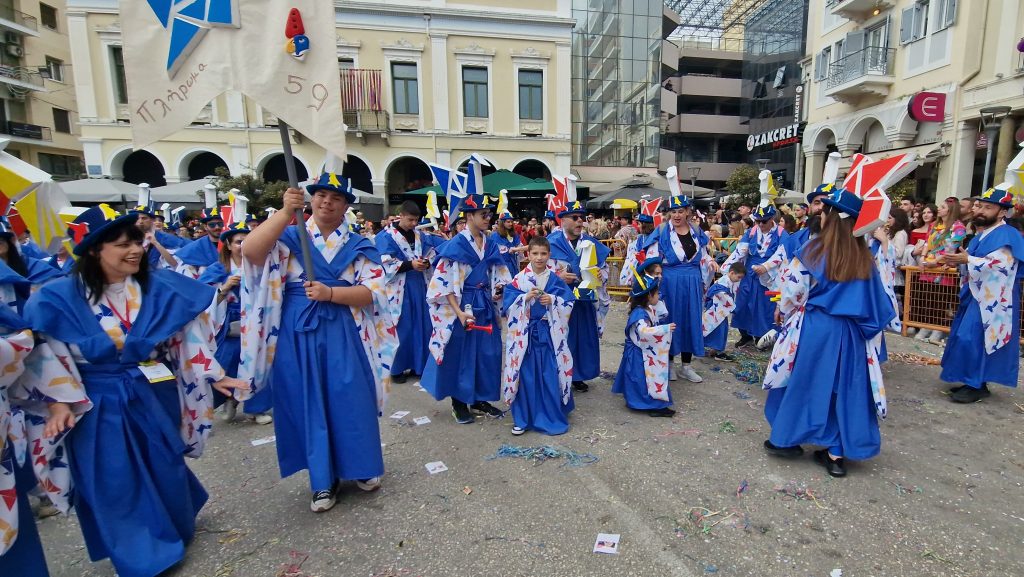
(497, 181)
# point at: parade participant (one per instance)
(469, 278)
(548, 224)
(812, 226)
(568, 245)
(983, 344)
(62, 260)
(643, 372)
(324, 347)
(719, 303)
(651, 266)
(686, 263)
(196, 256)
(18, 272)
(226, 275)
(645, 239)
(510, 243)
(800, 212)
(834, 307)
(29, 248)
(536, 380)
(139, 342)
(759, 250)
(159, 245)
(405, 255)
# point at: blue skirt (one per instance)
(584, 342)
(471, 371)
(755, 311)
(325, 399)
(718, 338)
(965, 360)
(136, 499)
(25, 557)
(538, 403)
(413, 327)
(682, 289)
(631, 381)
(828, 404)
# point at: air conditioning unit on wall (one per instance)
(15, 50)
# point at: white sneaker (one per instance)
(264, 419)
(768, 340)
(518, 431)
(691, 375)
(369, 484)
(322, 501)
(672, 374)
(230, 410)
(923, 335)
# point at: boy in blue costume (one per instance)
(719, 302)
(984, 344)
(465, 344)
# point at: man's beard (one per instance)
(814, 224)
(983, 221)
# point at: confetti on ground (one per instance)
(543, 453)
(263, 441)
(836, 573)
(933, 555)
(1020, 407)
(467, 490)
(904, 490)
(293, 568)
(702, 521)
(596, 435)
(711, 569)
(741, 395)
(742, 488)
(799, 493)
(674, 432)
(749, 371)
(727, 427)
(912, 359)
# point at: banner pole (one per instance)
(293, 181)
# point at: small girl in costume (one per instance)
(644, 369)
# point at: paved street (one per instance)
(690, 496)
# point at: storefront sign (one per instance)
(928, 107)
(778, 138)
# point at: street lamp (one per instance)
(991, 117)
(762, 163)
(694, 172)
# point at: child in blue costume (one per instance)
(637, 249)
(140, 343)
(537, 379)
(719, 303)
(323, 346)
(761, 250)
(984, 344)
(824, 377)
(586, 324)
(644, 369)
(225, 275)
(469, 277)
(508, 241)
(406, 254)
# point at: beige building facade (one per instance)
(875, 71)
(38, 115)
(430, 82)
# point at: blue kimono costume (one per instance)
(511, 258)
(538, 402)
(135, 498)
(168, 241)
(39, 272)
(966, 359)
(828, 400)
(584, 334)
(32, 250)
(682, 289)
(325, 397)
(793, 241)
(755, 311)
(631, 379)
(718, 338)
(201, 253)
(414, 321)
(65, 269)
(470, 371)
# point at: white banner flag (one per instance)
(181, 54)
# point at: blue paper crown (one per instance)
(475, 202)
(648, 263)
(236, 228)
(575, 208)
(844, 201)
(763, 213)
(996, 195)
(820, 190)
(336, 183)
(149, 211)
(506, 216)
(675, 202)
(549, 214)
(210, 214)
(645, 218)
(86, 228)
(642, 284)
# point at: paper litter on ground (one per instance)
(399, 414)
(607, 543)
(263, 441)
(421, 420)
(436, 467)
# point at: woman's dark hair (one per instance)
(90, 272)
(14, 259)
(846, 257)
(640, 301)
(900, 222)
(789, 223)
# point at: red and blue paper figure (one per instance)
(868, 179)
(298, 42)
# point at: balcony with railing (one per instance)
(20, 80)
(15, 21)
(362, 102)
(867, 72)
(29, 131)
(858, 10)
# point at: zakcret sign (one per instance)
(778, 138)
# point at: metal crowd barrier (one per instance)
(931, 297)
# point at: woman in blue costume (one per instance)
(509, 242)
(835, 308)
(983, 344)
(324, 346)
(683, 251)
(761, 250)
(228, 318)
(18, 273)
(644, 369)
(140, 342)
(469, 277)
(537, 379)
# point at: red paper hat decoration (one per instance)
(652, 208)
(868, 179)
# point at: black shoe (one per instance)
(723, 356)
(580, 386)
(835, 467)
(399, 379)
(661, 412)
(745, 340)
(461, 413)
(956, 388)
(487, 409)
(970, 394)
(788, 452)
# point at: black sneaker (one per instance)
(661, 412)
(580, 386)
(778, 451)
(724, 357)
(461, 413)
(322, 501)
(744, 341)
(399, 379)
(970, 394)
(485, 408)
(835, 467)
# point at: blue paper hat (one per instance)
(675, 202)
(647, 263)
(576, 207)
(210, 214)
(763, 213)
(149, 211)
(645, 218)
(642, 284)
(549, 215)
(844, 201)
(236, 228)
(334, 183)
(86, 228)
(506, 216)
(475, 202)
(998, 195)
(820, 190)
